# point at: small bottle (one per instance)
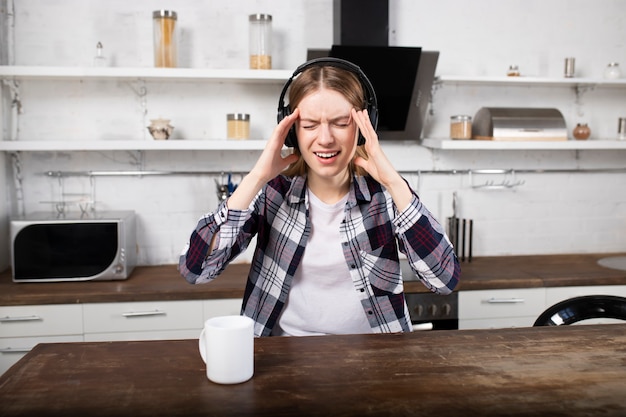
(581, 131)
(237, 126)
(461, 127)
(612, 71)
(621, 128)
(260, 41)
(99, 60)
(570, 68)
(165, 39)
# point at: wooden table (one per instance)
(549, 371)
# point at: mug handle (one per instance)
(202, 346)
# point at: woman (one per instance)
(329, 219)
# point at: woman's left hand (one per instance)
(377, 164)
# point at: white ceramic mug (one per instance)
(227, 347)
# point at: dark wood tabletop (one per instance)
(163, 282)
(539, 371)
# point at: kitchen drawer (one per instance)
(557, 294)
(41, 320)
(224, 307)
(13, 349)
(142, 316)
(519, 302)
(497, 323)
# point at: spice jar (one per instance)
(260, 42)
(461, 127)
(513, 71)
(612, 71)
(237, 126)
(581, 131)
(165, 38)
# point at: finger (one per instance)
(281, 130)
(364, 124)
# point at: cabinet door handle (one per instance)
(505, 300)
(8, 319)
(15, 350)
(157, 312)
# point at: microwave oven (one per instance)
(46, 247)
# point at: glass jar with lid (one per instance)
(238, 126)
(612, 71)
(260, 42)
(461, 127)
(165, 38)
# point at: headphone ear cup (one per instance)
(373, 113)
(291, 141)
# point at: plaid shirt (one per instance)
(372, 233)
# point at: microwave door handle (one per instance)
(131, 314)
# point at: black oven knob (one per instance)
(432, 310)
(446, 309)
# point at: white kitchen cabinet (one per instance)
(223, 307)
(557, 294)
(22, 327)
(486, 309)
(142, 320)
(153, 320)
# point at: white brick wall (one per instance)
(550, 213)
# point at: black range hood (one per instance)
(402, 76)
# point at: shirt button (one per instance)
(353, 266)
(362, 290)
(370, 312)
(345, 243)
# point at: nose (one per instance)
(325, 136)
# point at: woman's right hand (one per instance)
(271, 162)
(269, 165)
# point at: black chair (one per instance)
(582, 308)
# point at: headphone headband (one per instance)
(370, 95)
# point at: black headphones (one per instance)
(370, 96)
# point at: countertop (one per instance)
(536, 371)
(148, 283)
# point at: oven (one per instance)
(430, 311)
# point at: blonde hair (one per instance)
(337, 79)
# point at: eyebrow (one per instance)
(333, 120)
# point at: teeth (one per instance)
(325, 155)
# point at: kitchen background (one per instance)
(576, 211)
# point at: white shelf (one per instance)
(450, 144)
(529, 81)
(131, 145)
(148, 73)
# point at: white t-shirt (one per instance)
(322, 298)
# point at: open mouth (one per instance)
(326, 155)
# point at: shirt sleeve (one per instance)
(218, 238)
(429, 251)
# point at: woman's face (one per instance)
(326, 133)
